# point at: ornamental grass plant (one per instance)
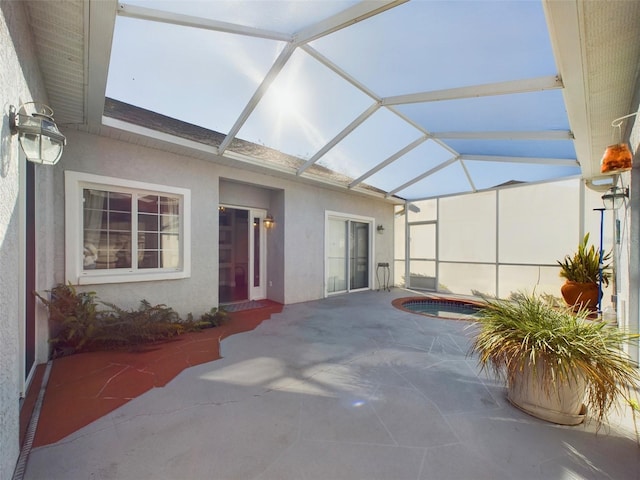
(561, 344)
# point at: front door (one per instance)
(241, 254)
(30, 287)
(28, 332)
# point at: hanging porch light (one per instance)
(617, 158)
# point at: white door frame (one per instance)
(260, 291)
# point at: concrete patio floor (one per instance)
(342, 388)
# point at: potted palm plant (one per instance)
(557, 363)
(584, 274)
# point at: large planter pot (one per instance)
(560, 402)
(581, 294)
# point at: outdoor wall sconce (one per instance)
(268, 221)
(615, 197)
(38, 133)
(617, 158)
(380, 228)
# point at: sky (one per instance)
(208, 77)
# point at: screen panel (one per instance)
(538, 224)
(467, 228)
(541, 280)
(467, 279)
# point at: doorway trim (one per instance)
(260, 291)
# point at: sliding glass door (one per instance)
(348, 254)
(358, 255)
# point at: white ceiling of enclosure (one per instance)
(417, 99)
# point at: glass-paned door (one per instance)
(258, 253)
(337, 264)
(30, 250)
(241, 255)
(359, 255)
(348, 255)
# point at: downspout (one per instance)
(634, 240)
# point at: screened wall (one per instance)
(498, 242)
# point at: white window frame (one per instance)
(75, 183)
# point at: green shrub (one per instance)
(78, 325)
(149, 323)
(214, 317)
(74, 321)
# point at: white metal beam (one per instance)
(275, 69)
(538, 135)
(562, 162)
(332, 66)
(348, 129)
(143, 13)
(468, 175)
(357, 13)
(423, 176)
(422, 129)
(487, 90)
(389, 160)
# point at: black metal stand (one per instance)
(386, 276)
(601, 254)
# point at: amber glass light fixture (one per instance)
(617, 158)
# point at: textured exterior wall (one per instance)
(295, 246)
(20, 81)
(304, 241)
(101, 156)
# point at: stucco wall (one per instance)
(20, 82)
(298, 237)
(101, 156)
(295, 245)
(305, 237)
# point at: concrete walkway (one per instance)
(342, 388)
